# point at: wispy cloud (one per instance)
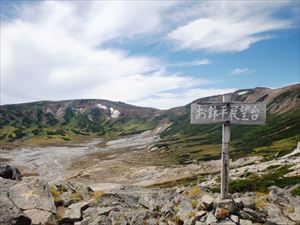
(199, 62)
(240, 71)
(223, 27)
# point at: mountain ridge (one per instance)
(66, 120)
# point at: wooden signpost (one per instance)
(227, 113)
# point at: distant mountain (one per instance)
(61, 121)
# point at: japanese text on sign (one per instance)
(238, 113)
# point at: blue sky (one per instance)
(150, 53)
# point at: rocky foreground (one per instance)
(25, 201)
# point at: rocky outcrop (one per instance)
(32, 193)
(192, 206)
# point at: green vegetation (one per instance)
(296, 191)
(261, 183)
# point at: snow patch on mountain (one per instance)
(114, 113)
(242, 92)
(102, 106)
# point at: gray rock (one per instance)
(207, 202)
(32, 193)
(73, 212)
(283, 197)
(211, 219)
(67, 199)
(238, 202)
(234, 218)
(185, 208)
(38, 217)
(10, 172)
(198, 216)
(225, 222)
(119, 199)
(236, 195)
(101, 220)
(227, 204)
(118, 217)
(6, 184)
(275, 215)
(152, 221)
(256, 216)
(248, 202)
(295, 216)
(157, 200)
(79, 188)
(138, 219)
(200, 223)
(245, 222)
(10, 214)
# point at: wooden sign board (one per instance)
(235, 113)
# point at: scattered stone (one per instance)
(32, 193)
(10, 172)
(207, 202)
(221, 213)
(74, 212)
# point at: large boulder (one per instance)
(32, 193)
(10, 172)
(10, 214)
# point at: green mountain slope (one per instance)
(40, 122)
(199, 142)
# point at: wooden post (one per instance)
(225, 155)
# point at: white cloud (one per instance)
(56, 50)
(223, 27)
(240, 71)
(199, 62)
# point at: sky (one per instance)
(158, 54)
